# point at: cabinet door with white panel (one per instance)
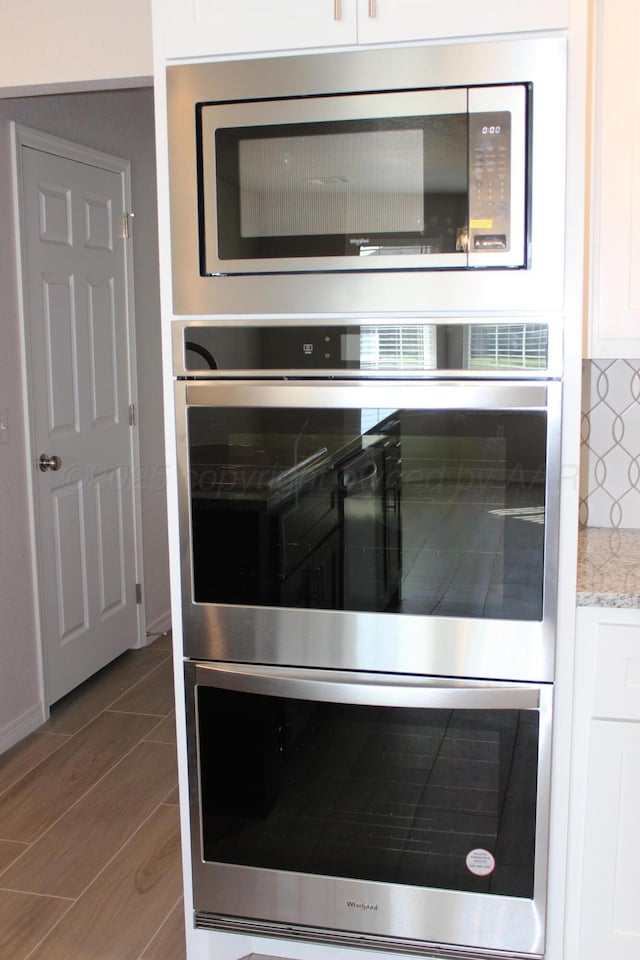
(243, 27)
(390, 21)
(614, 314)
(603, 919)
(215, 28)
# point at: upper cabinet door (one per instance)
(389, 21)
(203, 28)
(614, 327)
(200, 28)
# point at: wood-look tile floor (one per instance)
(89, 838)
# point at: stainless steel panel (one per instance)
(440, 395)
(501, 649)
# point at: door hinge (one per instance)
(126, 225)
(138, 593)
(132, 414)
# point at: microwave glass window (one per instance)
(404, 511)
(384, 186)
(331, 184)
(427, 797)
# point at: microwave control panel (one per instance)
(489, 182)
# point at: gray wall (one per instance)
(122, 123)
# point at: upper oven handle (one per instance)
(372, 689)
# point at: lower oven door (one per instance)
(376, 810)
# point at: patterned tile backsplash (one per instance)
(610, 468)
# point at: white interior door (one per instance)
(77, 305)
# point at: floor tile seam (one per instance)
(141, 679)
(134, 713)
(165, 802)
(65, 739)
(148, 739)
(117, 852)
(156, 933)
(27, 847)
(33, 953)
(148, 736)
(23, 853)
(40, 896)
(107, 708)
(78, 799)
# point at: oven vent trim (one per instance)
(263, 928)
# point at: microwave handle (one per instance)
(368, 688)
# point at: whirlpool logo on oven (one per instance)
(362, 906)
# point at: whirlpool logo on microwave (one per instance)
(362, 906)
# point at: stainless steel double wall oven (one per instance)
(368, 516)
(367, 275)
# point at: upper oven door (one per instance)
(410, 179)
(384, 526)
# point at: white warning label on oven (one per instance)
(480, 862)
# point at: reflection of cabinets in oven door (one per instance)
(309, 547)
(281, 550)
(317, 582)
(392, 462)
(369, 488)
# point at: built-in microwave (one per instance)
(414, 179)
(411, 178)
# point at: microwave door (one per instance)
(497, 234)
(364, 182)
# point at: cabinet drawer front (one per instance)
(617, 686)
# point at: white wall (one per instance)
(122, 123)
(74, 40)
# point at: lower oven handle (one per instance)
(372, 689)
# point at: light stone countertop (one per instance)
(608, 567)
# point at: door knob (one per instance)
(49, 463)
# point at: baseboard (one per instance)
(159, 625)
(21, 727)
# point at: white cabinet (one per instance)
(242, 27)
(205, 28)
(614, 309)
(388, 21)
(610, 924)
(603, 919)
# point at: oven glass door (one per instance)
(430, 512)
(404, 781)
(418, 501)
(370, 181)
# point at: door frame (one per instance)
(21, 137)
